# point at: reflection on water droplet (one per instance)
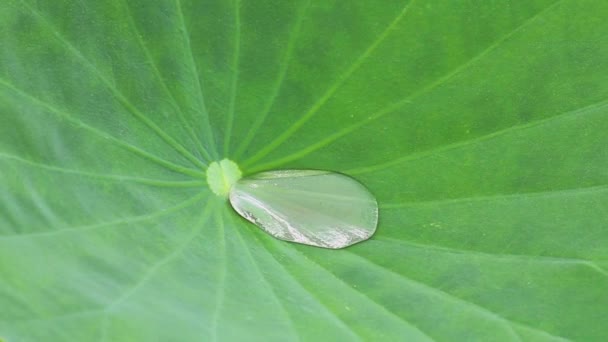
(318, 208)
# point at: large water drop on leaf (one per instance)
(318, 208)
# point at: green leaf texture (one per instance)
(480, 126)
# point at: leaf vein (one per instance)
(529, 125)
(450, 297)
(119, 96)
(312, 295)
(151, 271)
(222, 269)
(408, 99)
(102, 134)
(286, 314)
(278, 84)
(125, 220)
(508, 257)
(180, 113)
(331, 90)
(235, 76)
(198, 83)
(527, 195)
(367, 297)
(105, 177)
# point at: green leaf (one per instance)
(480, 127)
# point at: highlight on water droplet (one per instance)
(317, 208)
(222, 175)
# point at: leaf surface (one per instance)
(480, 127)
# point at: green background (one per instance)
(481, 127)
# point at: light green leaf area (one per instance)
(480, 126)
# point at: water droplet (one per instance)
(318, 208)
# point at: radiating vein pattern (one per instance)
(188, 126)
(119, 96)
(235, 71)
(293, 35)
(193, 69)
(391, 108)
(479, 127)
(341, 79)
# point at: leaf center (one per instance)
(222, 175)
